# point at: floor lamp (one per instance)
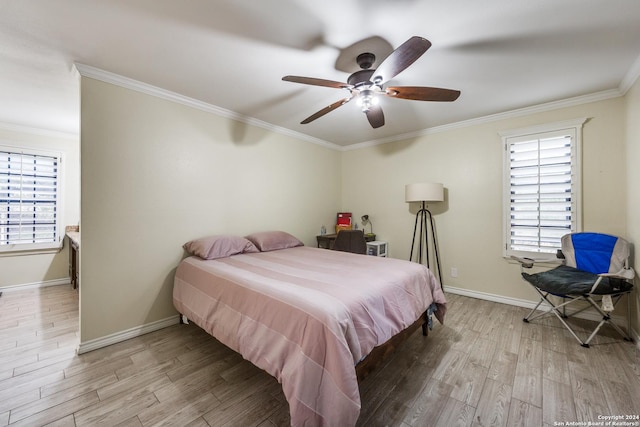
(424, 192)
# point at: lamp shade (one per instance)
(424, 192)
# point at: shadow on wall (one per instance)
(164, 294)
(389, 149)
(242, 132)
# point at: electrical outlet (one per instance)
(454, 271)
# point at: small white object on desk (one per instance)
(377, 248)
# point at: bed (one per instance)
(308, 317)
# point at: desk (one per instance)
(326, 240)
(74, 253)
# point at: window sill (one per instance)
(538, 261)
(12, 251)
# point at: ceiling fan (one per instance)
(367, 84)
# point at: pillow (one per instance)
(221, 246)
(273, 240)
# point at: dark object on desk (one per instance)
(350, 241)
(326, 241)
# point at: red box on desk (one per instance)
(344, 221)
(344, 218)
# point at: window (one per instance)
(541, 187)
(29, 200)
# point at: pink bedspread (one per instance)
(307, 316)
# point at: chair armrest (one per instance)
(524, 262)
(529, 262)
(625, 274)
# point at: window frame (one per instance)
(570, 127)
(12, 249)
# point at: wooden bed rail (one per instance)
(382, 352)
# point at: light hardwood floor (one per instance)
(484, 367)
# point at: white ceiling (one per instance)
(502, 55)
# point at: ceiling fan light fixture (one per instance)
(367, 99)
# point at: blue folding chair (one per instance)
(595, 269)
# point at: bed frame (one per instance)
(382, 352)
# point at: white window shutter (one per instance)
(540, 193)
(541, 187)
(28, 198)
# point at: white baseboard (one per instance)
(117, 337)
(35, 285)
(617, 319)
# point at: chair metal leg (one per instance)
(551, 309)
(560, 312)
(606, 318)
(528, 317)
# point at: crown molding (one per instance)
(564, 124)
(138, 86)
(118, 80)
(549, 106)
(631, 77)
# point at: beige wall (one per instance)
(633, 178)
(183, 173)
(50, 267)
(156, 174)
(468, 161)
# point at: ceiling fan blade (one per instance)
(423, 93)
(316, 82)
(375, 116)
(406, 54)
(325, 110)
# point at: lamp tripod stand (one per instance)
(421, 217)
